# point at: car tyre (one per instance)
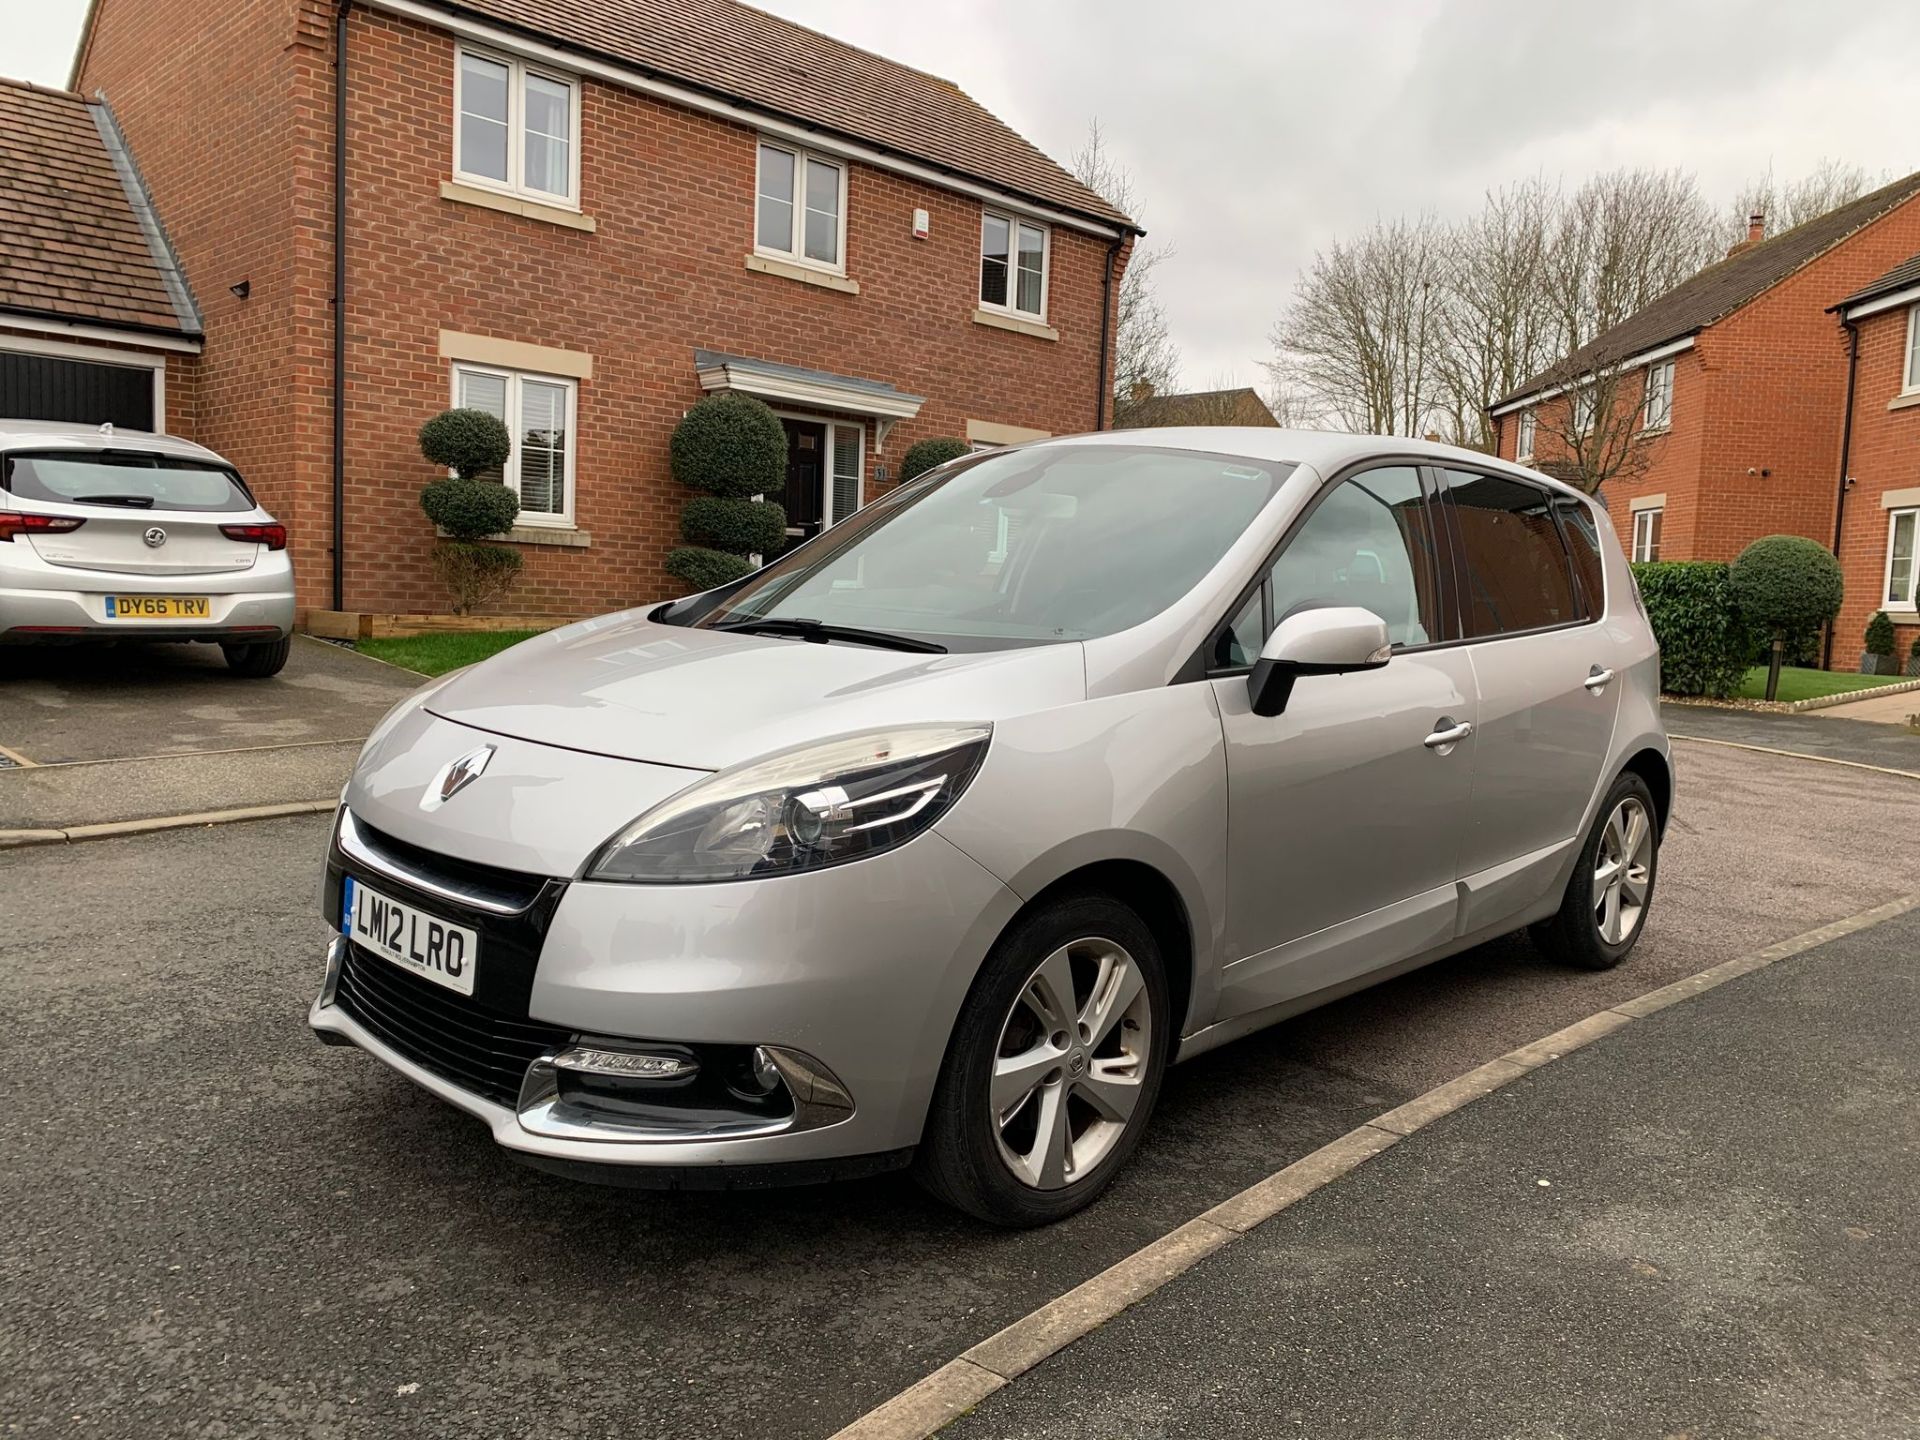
(257, 662)
(1090, 1058)
(1611, 892)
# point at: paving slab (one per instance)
(62, 703)
(1897, 709)
(64, 796)
(1701, 1225)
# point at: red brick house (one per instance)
(1144, 409)
(582, 217)
(96, 321)
(1878, 529)
(1737, 380)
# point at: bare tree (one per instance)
(1828, 186)
(1363, 333)
(1496, 330)
(1143, 348)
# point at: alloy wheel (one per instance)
(1622, 871)
(1071, 1062)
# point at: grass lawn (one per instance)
(437, 654)
(1808, 684)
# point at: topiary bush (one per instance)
(923, 455)
(1880, 636)
(467, 442)
(705, 569)
(470, 509)
(1704, 641)
(730, 444)
(739, 527)
(1784, 584)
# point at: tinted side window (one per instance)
(1580, 531)
(1517, 573)
(1369, 542)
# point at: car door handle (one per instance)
(1597, 679)
(1451, 734)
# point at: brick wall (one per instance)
(1886, 456)
(246, 191)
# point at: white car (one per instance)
(122, 535)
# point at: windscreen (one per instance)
(1020, 547)
(126, 480)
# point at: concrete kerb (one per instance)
(21, 839)
(926, 1407)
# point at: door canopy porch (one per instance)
(791, 385)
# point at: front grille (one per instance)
(490, 883)
(477, 1048)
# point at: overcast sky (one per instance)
(1257, 130)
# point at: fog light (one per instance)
(766, 1074)
(626, 1064)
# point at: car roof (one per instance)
(1325, 450)
(62, 435)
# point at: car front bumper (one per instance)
(847, 981)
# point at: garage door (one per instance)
(44, 387)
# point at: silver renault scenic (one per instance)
(935, 841)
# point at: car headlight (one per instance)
(818, 804)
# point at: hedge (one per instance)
(923, 455)
(1704, 642)
(467, 442)
(470, 509)
(475, 575)
(730, 444)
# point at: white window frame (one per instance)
(1014, 220)
(1887, 602)
(828, 519)
(510, 474)
(1643, 534)
(1654, 373)
(1583, 401)
(802, 158)
(1910, 372)
(1526, 436)
(515, 184)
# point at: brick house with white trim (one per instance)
(1738, 380)
(583, 217)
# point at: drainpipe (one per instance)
(340, 306)
(1106, 335)
(1846, 455)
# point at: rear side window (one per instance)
(1582, 534)
(123, 479)
(1518, 576)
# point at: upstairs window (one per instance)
(1580, 409)
(1013, 266)
(516, 128)
(1528, 428)
(1911, 381)
(800, 210)
(1657, 413)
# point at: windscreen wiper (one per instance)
(136, 502)
(819, 632)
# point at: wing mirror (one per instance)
(1333, 640)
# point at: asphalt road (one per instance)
(1703, 1226)
(214, 1222)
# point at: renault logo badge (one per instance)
(155, 537)
(456, 777)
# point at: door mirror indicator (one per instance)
(1332, 640)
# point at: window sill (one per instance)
(1019, 327)
(513, 205)
(563, 535)
(1904, 402)
(1653, 432)
(805, 274)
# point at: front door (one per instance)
(806, 479)
(1344, 813)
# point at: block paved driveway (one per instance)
(216, 1226)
